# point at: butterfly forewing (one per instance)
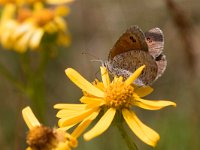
(132, 39)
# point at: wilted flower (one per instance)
(41, 137)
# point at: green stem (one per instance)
(129, 142)
(37, 96)
(43, 62)
(35, 82)
(39, 89)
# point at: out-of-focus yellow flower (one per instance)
(22, 28)
(111, 97)
(46, 138)
(7, 25)
(42, 23)
(58, 2)
(31, 2)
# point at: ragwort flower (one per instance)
(31, 2)
(23, 28)
(41, 137)
(114, 96)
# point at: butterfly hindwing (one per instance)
(155, 41)
(126, 63)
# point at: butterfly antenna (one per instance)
(98, 60)
(94, 57)
(88, 54)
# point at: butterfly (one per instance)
(134, 49)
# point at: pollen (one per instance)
(119, 95)
(23, 14)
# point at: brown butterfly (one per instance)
(134, 49)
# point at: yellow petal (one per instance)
(61, 23)
(146, 134)
(58, 2)
(51, 27)
(29, 148)
(70, 106)
(66, 128)
(91, 100)
(21, 45)
(101, 125)
(8, 12)
(6, 33)
(82, 83)
(143, 91)
(69, 113)
(84, 124)
(29, 118)
(22, 29)
(105, 76)
(135, 75)
(153, 105)
(66, 121)
(61, 10)
(81, 127)
(36, 38)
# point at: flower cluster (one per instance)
(113, 98)
(29, 24)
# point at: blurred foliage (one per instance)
(95, 26)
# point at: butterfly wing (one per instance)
(161, 62)
(126, 63)
(132, 39)
(134, 49)
(155, 41)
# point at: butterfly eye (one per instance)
(132, 39)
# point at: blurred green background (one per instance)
(95, 25)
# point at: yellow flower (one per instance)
(46, 138)
(30, 2)
(23, 29)
(58, 2)
(114, 96)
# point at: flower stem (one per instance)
(34, 79)
(130, 143)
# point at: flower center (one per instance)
(119, 95)
(43, 16)
(40, 136)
